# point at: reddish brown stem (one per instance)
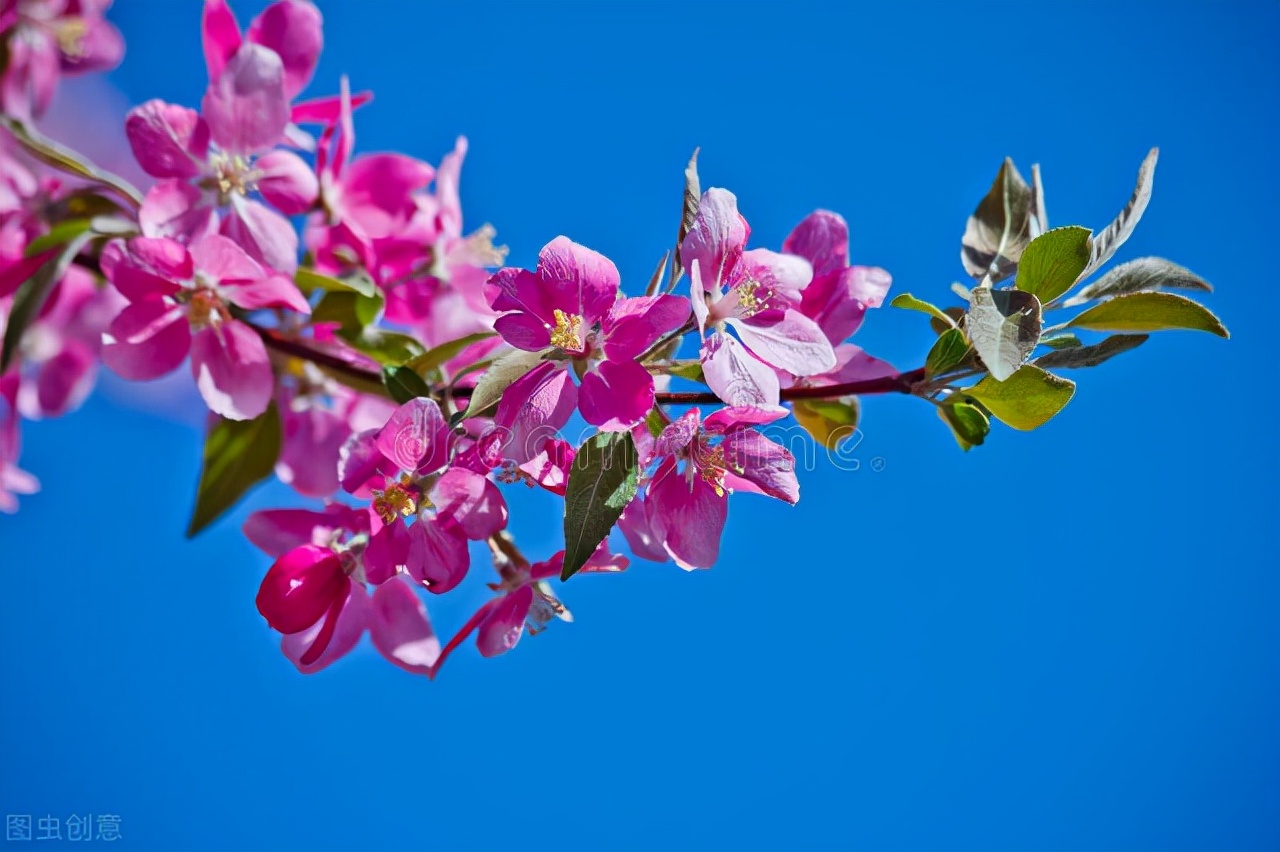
(901, 383)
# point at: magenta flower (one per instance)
(180, 301)
(840, 294)
(13, 480)
(686, 509)
(757, 293)
(316, 596)
(47, 38)
(404, 470)
(211, 161)
(570, 304)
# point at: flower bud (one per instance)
(300, 587)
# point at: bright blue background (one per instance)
(1062, 640)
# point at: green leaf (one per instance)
(404, 384)
(436, 357)
(32, 293)
(690, 369)
(655, 280)
(1004, 326)
(1145, 273)
(1114, 235)
(238, 454)
(1025, 400)
(488, 391)
(1149, 311)
(688, 213)
(352, 311)
(1053, 261)
(655, 421)
(1060, 340)
(999, 228)
(66, 160)
(602, 481)
(60, 234)
(949, 351)
(308, 281)
(969, 424)
(1091, 356)
(908, 302)
(829, 421)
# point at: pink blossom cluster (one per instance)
(208, 268)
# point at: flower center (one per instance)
(567, 333)
(70, 33)
(233, 173)
(399, 499)
(711, 467)
(752, 298)
(205, 307)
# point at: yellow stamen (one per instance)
(71, 33)
(401, 498)
(748, 301)
(712, 467)
(567, 333)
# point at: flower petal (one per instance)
(416, 438)
(219, 35)
(502, 629)
(735, 375)
(387, 552)
(616, 395)
(471, 500)
(294, 30)
(400, 628)
(147, 340)
(232, 370)
(264, 234)
(287, 182)
(689, 517)
(535, 407)
(822, 238)
(633, 325)
(245, 105)
(176, 209)
(758, 460)
(794, 343)
(147, 267)
(577, 280)
(716, 239)
(169, 141)
(438, 555)
(324, 642)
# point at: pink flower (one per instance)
(685, 511)
(405, 470)
(570, 304)
(13, 480)
(756, 293)
(180, 301)
(315, 593)
(840, 294)
(292, 29)
(46, 38)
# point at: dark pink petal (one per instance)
(735, 375)
(577, 280)
(169, 141)
(678, 434)
(822, 238)
(856, 366)
(173, 208)
(309, 456)
(523, 331)
(616, 395)
(388, 551)
(729, 417)
(794, 343)
(717, 238)
(400, 628)
(386, 182)
(245, 106)
(417, 437)
(263, 233)
(641, 537)
(552, 566)
(31, 72)
(689, 516)
(277, 531)
(147, 267)
(438, 555)
(275, 291)
(287, 182)
(294, 31)
(300, 587)
(325, 110)
(232, 370)
(522, 290)
(361, 466)
(147, 340)
(333, 636)
(549, 467)
(768, 465)
(219, 35)
(534, 408)
(602, 561)
(100, 49)
(471, 500)
(838, 301)
(633, 325)
(65, 379)
(501, 631)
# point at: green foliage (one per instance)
(1149, 311)
(603, 479)
(908, 302)
(32, 293)
(1025, 400)
(969, 424)
(1004, 326)
(238, 454)
(949, 351)
(829, 421)
(1053, 261)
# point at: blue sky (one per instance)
(1068, 639)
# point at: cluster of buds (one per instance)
(383, 362)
